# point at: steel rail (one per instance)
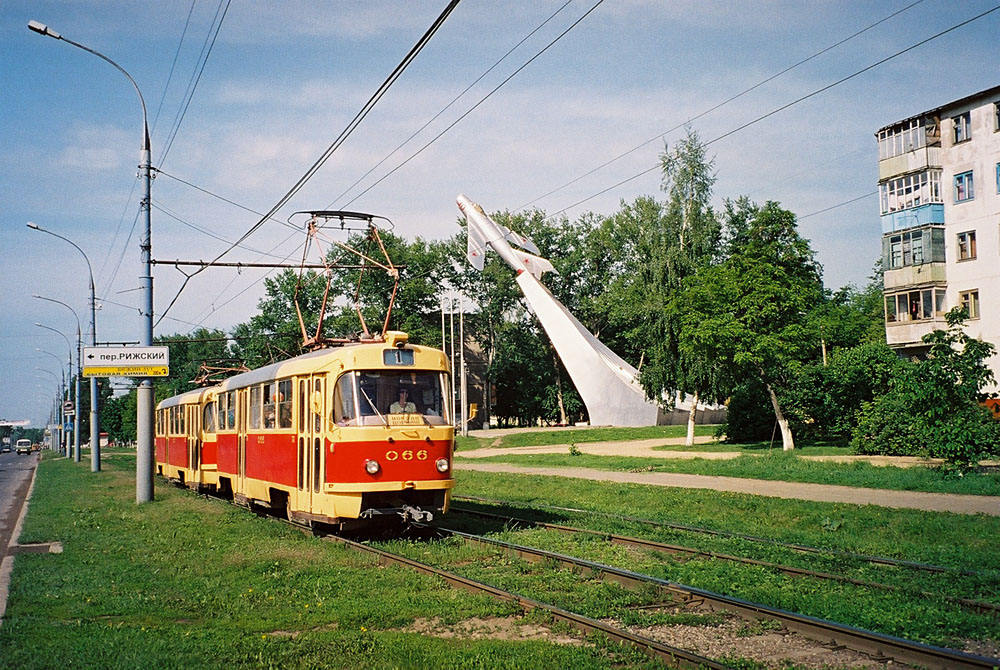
(675, 657)
(882, 560)
(880, 647)
(978, 606)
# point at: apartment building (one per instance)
(939, 201)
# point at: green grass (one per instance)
(778, 466)
(541, 436)
(958, 541)
(186, 582)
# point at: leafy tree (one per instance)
(748, 314)
(673, 247)
(933, 407)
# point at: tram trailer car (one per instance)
(346, 436)
(186, 447)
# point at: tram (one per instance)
(344, 436)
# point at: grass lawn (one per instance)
(778, 466)
(540, 437)
(962, 542)
(188, 582)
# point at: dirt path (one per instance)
(936, 502)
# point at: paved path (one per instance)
(936, 502)
(641, 448)
(16, 476)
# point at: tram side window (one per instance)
(284, 402)
(209, 419)
(268, 390)
(221, 407)
(181, 430)
(231, 410)
(343, 401)
(255, 407)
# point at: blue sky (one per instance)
(284, 78)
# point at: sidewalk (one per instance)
(932, 502)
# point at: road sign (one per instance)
(126, 361)
(68, 407)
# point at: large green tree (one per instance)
(749, 313)
(673, 247)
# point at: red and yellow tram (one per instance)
(340, 436)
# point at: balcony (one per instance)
(912, 161)
(914, 217)
(915, 275)
(903, 334)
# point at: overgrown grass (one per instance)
(779, 466)
(187, 582)
(957, 541)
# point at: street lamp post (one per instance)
(95, 423)
(58, 409)
(76, 380)
(49, 353)
(144, 394)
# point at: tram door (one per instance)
(312, 409)
(241, 441)
(194, 437)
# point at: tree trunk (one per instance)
(787, 442)
(559, 394)
(691, 417)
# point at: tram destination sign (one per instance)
(126, 361)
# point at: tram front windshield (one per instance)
(391, 398)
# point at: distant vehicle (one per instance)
(23, 447)
(4, 449)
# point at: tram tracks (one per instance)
(827, 635)
(977, 606)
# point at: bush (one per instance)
(933, 407)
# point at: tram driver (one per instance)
(403, 405)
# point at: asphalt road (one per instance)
(16, 471)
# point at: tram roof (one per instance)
(182, 398)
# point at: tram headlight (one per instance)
(372, 467)
(442, 464)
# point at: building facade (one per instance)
(939, 201)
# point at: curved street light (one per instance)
(144, 394)
(76, 380)
(49, 353)
(57, 411)
(95, 422)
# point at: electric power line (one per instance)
(721, 104)
(189, 94)
(355, 122)
(474, 107)
(787, 105)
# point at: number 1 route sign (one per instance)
(126, 361)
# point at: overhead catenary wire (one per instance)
(193, 85)
(355, 122)
(453, 101)
(786, 106)
(722, 104)
(474, 107)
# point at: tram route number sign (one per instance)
(126, 361)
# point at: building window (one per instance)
(969, 301)
(910, 190)
(967, 246)
(998, 177)
(915, 305)
(963, 187)
(963, 127)
(996, 116)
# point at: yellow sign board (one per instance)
(127, 371)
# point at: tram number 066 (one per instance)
(408, 455)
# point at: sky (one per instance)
(282, 80)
